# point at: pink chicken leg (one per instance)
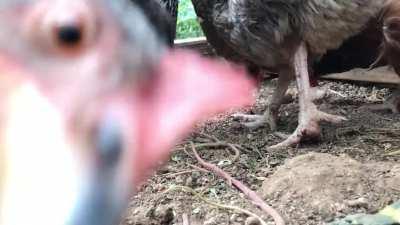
(309, 115)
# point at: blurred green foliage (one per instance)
(188, 26)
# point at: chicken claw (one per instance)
(270, 115)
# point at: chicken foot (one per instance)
(309, 115)
(270, 115)
(279, 97)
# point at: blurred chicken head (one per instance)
(91, 103)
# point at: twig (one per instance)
(384, 130)
(216, 204)
(210, 137)
(247, 191)
(395, 153)
(179, 173)
(237, 152)
(198, 168)
(187, 153)
(246, 149)
(212, 144)
(232, 147)
(383, 118)
(337, 93)
(396, 189)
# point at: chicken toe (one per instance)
(270, 115)
(269, 118)
(308, 127)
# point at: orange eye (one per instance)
(66, 38)
(62, 26)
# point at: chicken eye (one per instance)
(69, 35)
(109, 143)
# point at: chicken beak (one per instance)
(101, 203)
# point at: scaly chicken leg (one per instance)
(278, 98)
(309, 115)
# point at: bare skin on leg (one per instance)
(309, 115)
(279, 97)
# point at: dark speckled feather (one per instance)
(262, 30)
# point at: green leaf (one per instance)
(187, 26)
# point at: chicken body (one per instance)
(266, 31)
(286, 36)
(92, 101)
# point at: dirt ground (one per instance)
(354, 168)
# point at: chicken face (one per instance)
(91, 102)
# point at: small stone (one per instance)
(129, 222)
(360, 202)
(211, 221)
(240, 219)
(179, 180)
(196, 211)
(387, 146)
(233, 217)
(189, 182)
(224, 163)
(159, 187)
(340, 207)
(165, 214)
(196, 175)
(150, 212)
(252, 221)
(274, 163)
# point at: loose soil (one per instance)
(354, 168)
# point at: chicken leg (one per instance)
(309, 115)
(278, 98)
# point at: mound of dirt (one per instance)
(326, 186)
